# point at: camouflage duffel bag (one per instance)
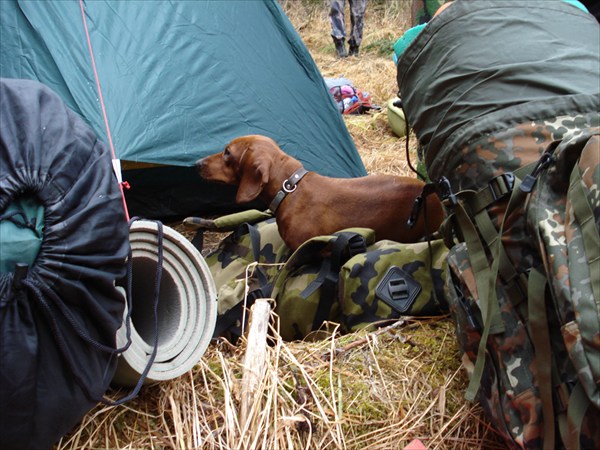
(243, 265)
(392, 279)
(360, 284)
(346, 278)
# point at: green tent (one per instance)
(175, 81)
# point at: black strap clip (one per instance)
(428, 189)
(416, 210)
(545, 160)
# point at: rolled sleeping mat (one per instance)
(187, 307)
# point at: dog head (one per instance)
(245, 162)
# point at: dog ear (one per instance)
(254, 176)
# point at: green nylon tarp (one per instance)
(179, 79)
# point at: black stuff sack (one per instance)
(59, 308)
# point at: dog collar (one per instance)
(288, 187)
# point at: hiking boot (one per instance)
(340, 47)
(353, 51)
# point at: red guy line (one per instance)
(110, 141)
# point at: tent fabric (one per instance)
(180, 79)
(534, 60)
(50, 375)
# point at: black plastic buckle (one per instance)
(416, 210)
(428, 189)
(356, 245)
(398, 289)
(529, 181)
(445, 191)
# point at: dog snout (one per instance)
(200, 164)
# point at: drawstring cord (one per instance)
(50, 302)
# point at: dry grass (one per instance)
(373, 72)
(374, 390)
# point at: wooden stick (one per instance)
(254, 359)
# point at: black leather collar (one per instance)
(288, 187)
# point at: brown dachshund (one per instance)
(307, 204)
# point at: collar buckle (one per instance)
(287, 187)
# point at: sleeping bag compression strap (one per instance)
(50, 301)
(24, 222)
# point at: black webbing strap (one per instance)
(24, 222)
(421, 204)
(345, 246)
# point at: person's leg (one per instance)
(357, 15)
(338, 26)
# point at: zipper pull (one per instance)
(528, 182)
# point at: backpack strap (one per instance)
(345, 246)
(540, 335)
(479, 240)
(585, 216)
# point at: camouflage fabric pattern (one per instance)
(569, 253)
(297, 307)
(544, 231)
(228, 264)
(359, 304)
(354, 303)
(508, 393)
(499, 152)
(298, 288)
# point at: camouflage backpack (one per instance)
(530, 338)
(346, 278)
(510, 139)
